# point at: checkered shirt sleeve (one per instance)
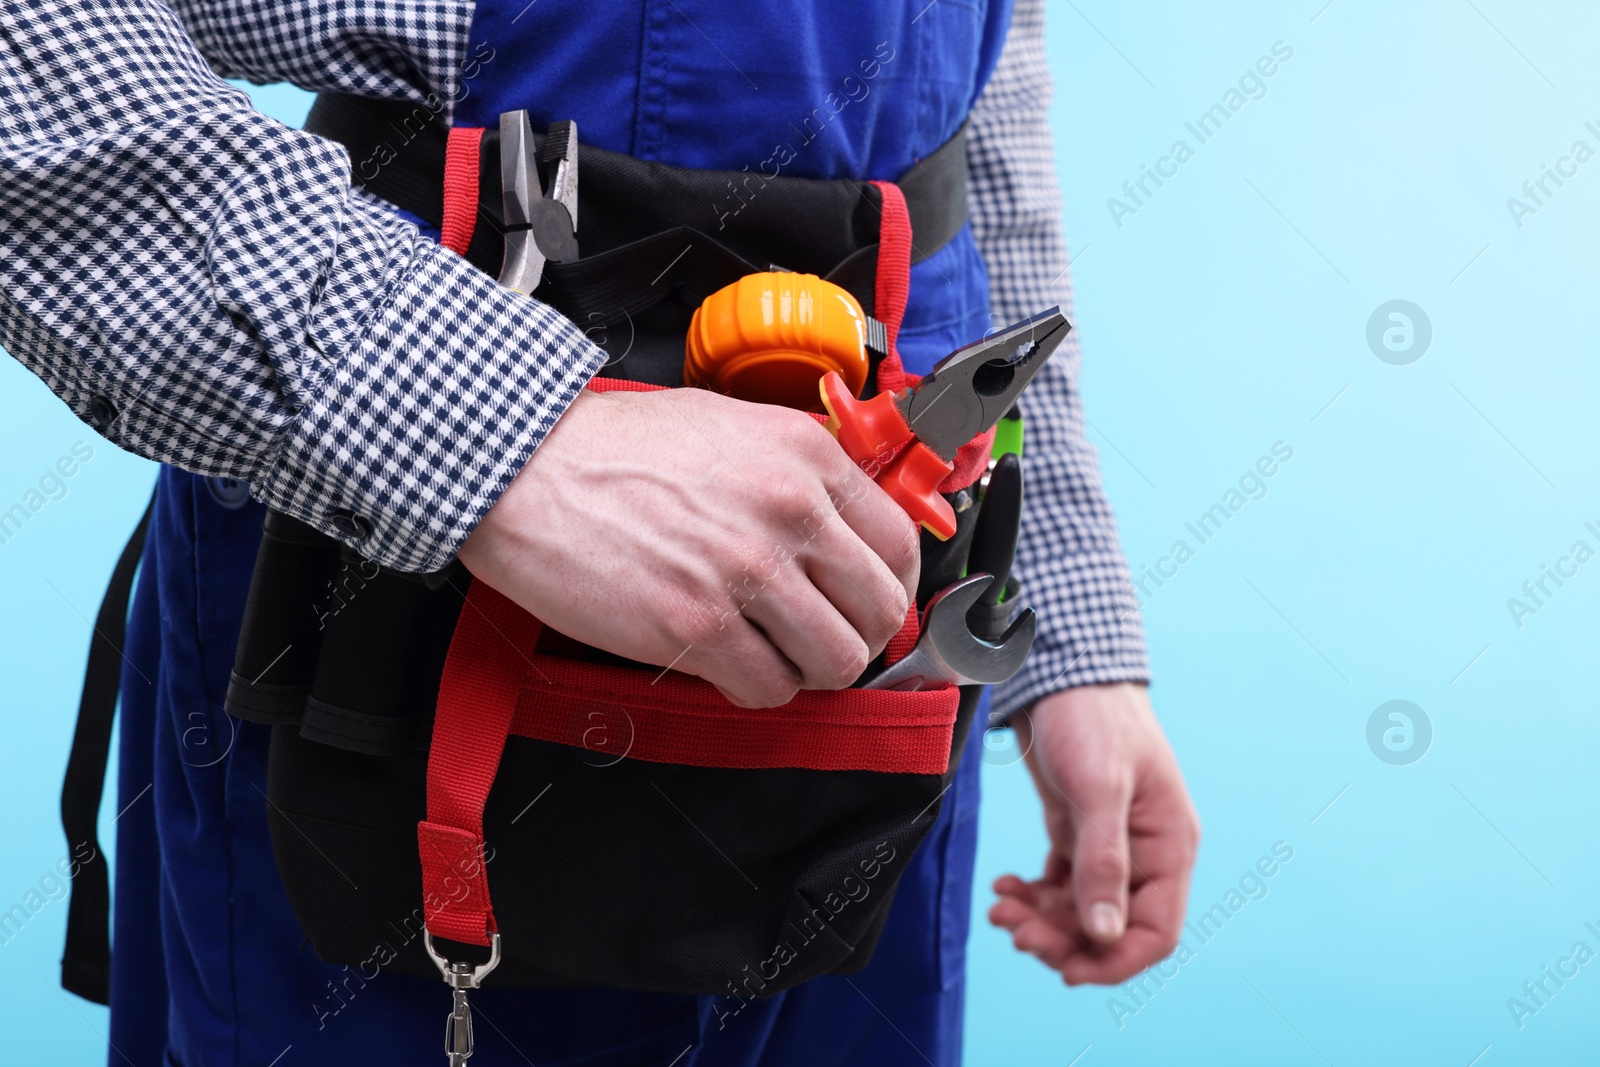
(198, 282)
(397, 49)
(1069, 562)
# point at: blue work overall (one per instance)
(210, 967)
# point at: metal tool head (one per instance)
(523, 265)
(973, 387)
(953, 644)
(560, 158)
(948, 653)
(539, 199)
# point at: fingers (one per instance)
(810, 633)
(742, 663)
(868, 597)
(1041, 919)
(1155, 922)
(885, 528)
(863, 558)
(787, 622)
(1165, 837)
(822, 566)
(1100, 859)
(1044, 924)
(1046, 919)
(889, 535)
(876, 520)
(777, 633)
(1042, 899)
(1138, 949)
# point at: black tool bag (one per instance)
(607, 861)
(630, 839)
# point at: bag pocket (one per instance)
(638, 835)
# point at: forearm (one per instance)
(198, 282)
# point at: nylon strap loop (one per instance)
(462, 155)
(893, 284)
(477, 698)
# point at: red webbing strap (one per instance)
(972, 459)
(892, 287)
(622, 385)
(901, 644)
(483, 674)
(891, 290)
(679, 719)
(461, 158)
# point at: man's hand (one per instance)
(729, 540)
(1123, 835)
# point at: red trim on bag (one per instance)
(679, 718)
(684, 720)
(622, 385)
(461, 159)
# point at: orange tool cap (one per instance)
(769, 337)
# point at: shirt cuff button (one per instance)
(102, 412)
(351, 525)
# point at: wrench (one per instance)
(948, 653)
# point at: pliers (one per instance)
(908, 440)
(539, 195)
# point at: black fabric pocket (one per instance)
(609, 872)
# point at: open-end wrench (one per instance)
(948, 653)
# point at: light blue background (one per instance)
(1227, 314)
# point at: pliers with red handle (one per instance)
(908, 440)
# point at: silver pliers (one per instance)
(539, 195)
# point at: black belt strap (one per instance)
(86, 960)
(397, 152)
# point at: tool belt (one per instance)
(656, 240)
(432, 742)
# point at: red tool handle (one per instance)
(871, 430)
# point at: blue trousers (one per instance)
(211, 969)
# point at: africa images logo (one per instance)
(1399, 332)
(1399, 732)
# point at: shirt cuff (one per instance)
(427, 412)
(1090, 631)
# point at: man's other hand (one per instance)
(1123, 836)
